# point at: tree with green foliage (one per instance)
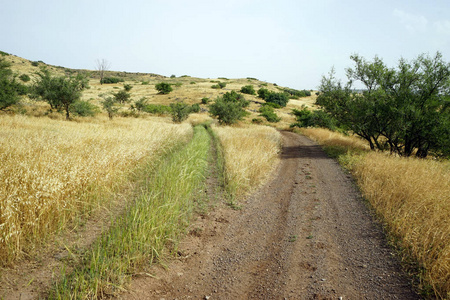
(163, 88)
(229, 108)
(110, 106)
(313, 118)
(122, 96)
(269, 113)
(9, 94)
(180, 111)
(248, 89)
(278, 98)
(59, 91)
(404, 109)
(263, 93)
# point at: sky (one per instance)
(289, 42)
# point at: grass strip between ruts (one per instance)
(154, 223)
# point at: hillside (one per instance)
(186, 88)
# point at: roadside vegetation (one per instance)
(56, 171)
(411, 197)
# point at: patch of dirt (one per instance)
(306, 234)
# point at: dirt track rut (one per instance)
(306, 234)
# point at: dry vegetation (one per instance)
(412, 198)
(53, 171)
(250, 154)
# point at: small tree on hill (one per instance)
(163, 88)
(8, 87)
(59, 91)
(248, 89)
(180, 111)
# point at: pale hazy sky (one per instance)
(291, 43)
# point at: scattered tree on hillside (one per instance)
(101, 66)
(229, 108)
(163, 88)
(9, 94)
(404, 109)
(59, 91)
(109, 105)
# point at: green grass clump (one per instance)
(150, 227)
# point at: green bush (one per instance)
(278, 98)
(180, 111)
(35, 63)
(157, 109)
(235, 97)
(269, 113)
(122, 96)
(227, 112)
(273, 105)
(205, 100)
(263, 93)
(295, 94)
(163, 88)
(172, 76)
(145, 82)
(257, 121)
(25, 77)
(127, 87)
(195, 108)
(248, 89)
(8, 86)
(3, 53)
(84, 109)
(111, 80)
(316, 118)
(193, 82)
(140, 104)
(219, 85)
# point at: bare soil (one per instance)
(306, 234)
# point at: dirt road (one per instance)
(305, 235)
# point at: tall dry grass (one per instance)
(412, 196)
(250, 154)
(52, 171)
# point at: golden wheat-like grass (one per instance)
(413, 196)
(330, 138)
(54, 170)
(250, 155)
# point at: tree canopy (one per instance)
(404, 109)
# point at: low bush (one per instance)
(35, 63)
(84, 109)
(219, 85)
(195, 108)
(180, 111)
(25, 77)
(236, 97)
(127, 87)
(248, 89)
(205, 100)
(316, 118)
(278, 98)
(157, 109)
(263, 93)
(163, 88)
(109, 80)
(227, 112)
(269, 113)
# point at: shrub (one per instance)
(269, 113)
(172, 76)
(257, 121)
(277, 98)
(127, 87)
(140, 104)
(3, 53)
(248, 89)
(263, 93)
(193, 82)
(111, 80)
(157, 109)
(145, 82)
(228, 112)
(219, 85)
(122, 96)
(84, 109)
(205, 100)
(24, 77)
(109, 105)
(180, 111)
(8, 86)
(34, 63)
(295, 94)
(195, 108)
(317, 118)
(236, 97)
(273, 105)
(163, 88)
